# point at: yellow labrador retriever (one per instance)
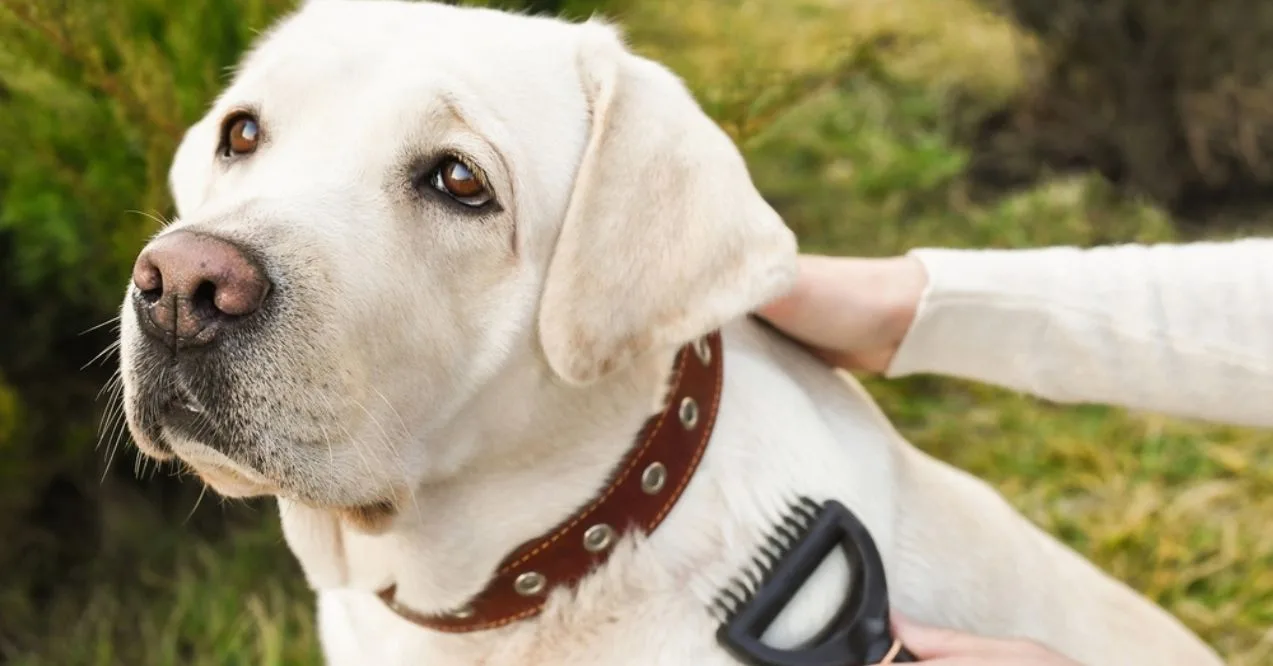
(435, 273)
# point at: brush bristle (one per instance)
(793, 525)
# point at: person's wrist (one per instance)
(902, 283)
(852, 312)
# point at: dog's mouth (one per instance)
(203, 431)
(182, 413)
(185, 427)
(171, 410)
(174, 418)
(221, 413)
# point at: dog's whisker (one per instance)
(394, 410)
(118, 432)
(353, 442)
(198, 500)
(331, 452)
(397, 454)
(112, 389)
(113, 416)
(102, 355)
(116, 381)
(159, 219)
(399, 460)
(358, 446)
(386, 440)
(108, 322)
(327, 439)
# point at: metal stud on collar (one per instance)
(654, 478)
(688, 413)
(703, 351)
(462, 613)
(530, 583)
(598, 538)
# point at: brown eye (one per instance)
(242, 134)
(463, 184)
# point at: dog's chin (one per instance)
(178, 429)
(151, 448)
(220, 473)
(231, 479)
(231, 483)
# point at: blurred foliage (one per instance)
(1172, 100)
(93, 98)
(871, 125)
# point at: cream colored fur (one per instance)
(485, 371)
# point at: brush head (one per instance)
(807, 533)
(794, 525)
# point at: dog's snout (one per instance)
(189, 284)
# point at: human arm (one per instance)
(1182, 329)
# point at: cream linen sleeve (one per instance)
(1185, 330)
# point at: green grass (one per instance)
(847, 113)
(160, 593)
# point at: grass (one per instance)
(161, 593)
(848, 113)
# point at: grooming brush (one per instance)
(858, 635)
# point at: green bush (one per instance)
(93, 98)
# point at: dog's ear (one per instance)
(665, 237)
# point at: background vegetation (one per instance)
(872, 125)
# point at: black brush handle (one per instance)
(904, 656)
(858, 634)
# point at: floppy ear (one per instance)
(665, 237)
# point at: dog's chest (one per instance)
(357, 630)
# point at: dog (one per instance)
(432, 270)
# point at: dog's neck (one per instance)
(542, 451)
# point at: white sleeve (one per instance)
(1185, 330)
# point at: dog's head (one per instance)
(392, 202)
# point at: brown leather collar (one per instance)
(643, 489)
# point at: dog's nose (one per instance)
(189, 284)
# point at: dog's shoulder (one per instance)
(761, 358)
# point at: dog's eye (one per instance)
(241, 134)
(462, 183)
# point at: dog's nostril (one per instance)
(189, 283)
(204, 299)
(151, 296)
(148, 280)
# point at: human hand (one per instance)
(946, 647)
(852, 312)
